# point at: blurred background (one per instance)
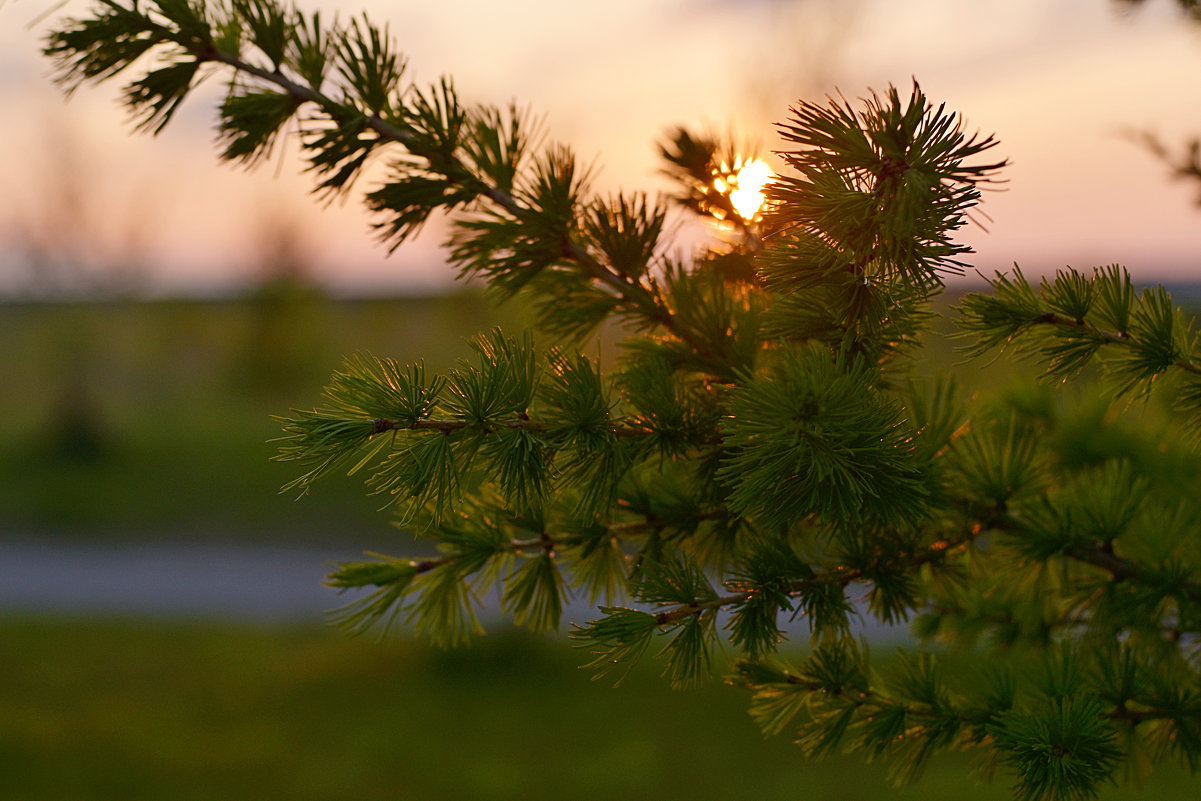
(161, 612)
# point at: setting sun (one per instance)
(745, 183)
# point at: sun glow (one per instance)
(744, 182)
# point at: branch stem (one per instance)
(1101, 555)
(840, 576)
(626, 287)
(445, 426)
(1111, 338)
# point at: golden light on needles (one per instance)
(744, 182)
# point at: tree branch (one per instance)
(1101, 555)
(1111, 338)
(626, 288)
(840, 576)
(517, 424)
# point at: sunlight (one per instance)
(745, 183)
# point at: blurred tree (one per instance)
(765, 444)
(1190, 8)
(69, 251)
(66, 240)
(287, 320)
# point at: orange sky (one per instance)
(1058, 81)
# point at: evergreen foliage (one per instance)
(764, 450)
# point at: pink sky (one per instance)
(1058, 82)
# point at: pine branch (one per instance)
(420, 566)
(1100, 555)
(867, 701)
(1070, 317)
(356, 574)
(632, 293)
(1053, 319)
(1121, 339)
(682, 612)
(445, 426)
(935, 554)
(1135, 717)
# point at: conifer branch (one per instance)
(863, 698)
(676, 614)
(546, 542)
(1053, 319)
(1135, 717)
(1122, 339)
(350, 574)
(1101, 555)
(445, 426)
(1069, 318)
(838, 576)
(630, 291)
(867, 699)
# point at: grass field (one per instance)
(129, 420)
(136, 419)
(128, 711)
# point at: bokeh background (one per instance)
(161, 612)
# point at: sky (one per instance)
(1063, 84)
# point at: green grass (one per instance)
(129, 420)
(135, 419)
(154, 710)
